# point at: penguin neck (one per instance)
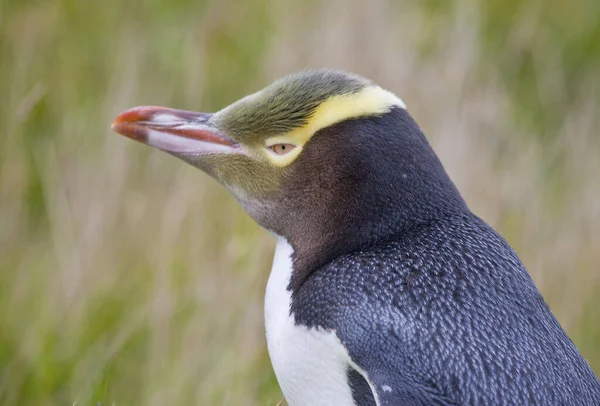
(391, 181)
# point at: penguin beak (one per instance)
(178, 132)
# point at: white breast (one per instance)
(310, 364)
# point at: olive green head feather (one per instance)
(286, 104)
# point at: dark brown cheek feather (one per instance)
(358, 183)
(321, 199)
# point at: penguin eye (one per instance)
(281, 149)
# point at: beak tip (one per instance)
(119, 125)
(129, 117)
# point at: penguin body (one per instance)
(385, 288)
(441, 312)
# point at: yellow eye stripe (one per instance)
(369, 101)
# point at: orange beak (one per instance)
(179, 132)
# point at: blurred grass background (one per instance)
(129, 278)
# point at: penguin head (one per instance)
(328, 160)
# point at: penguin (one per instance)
(386, 289)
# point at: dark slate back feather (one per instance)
(446, 313)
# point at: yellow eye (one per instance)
(281, 149)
